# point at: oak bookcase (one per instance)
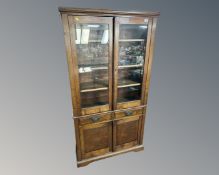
(109, 55)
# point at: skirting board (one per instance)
(87, 161)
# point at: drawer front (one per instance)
(95, 118)
(128, 112)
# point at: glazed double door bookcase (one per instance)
(109, 56)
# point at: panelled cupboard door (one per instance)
(95, 139)
(91, 42)
(126, 132)
(131, 42)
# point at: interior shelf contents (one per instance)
(96, 98)
(129, 94)
(90, 68)
(92, 48)
(92, 44)
(130, 77)
(133, 31)
(131, 54)
(89, 33)
(92, 54)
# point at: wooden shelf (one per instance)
(127, 83)
(95, 65)
(96, 41)
(90, 87)
(92, 41)
(130, 56)
(95, 89)
(131, 40)
(130, 66)
(99, 68)
(90, 69)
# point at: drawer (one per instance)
(95, 118)
(128, 112)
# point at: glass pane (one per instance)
(132, 43)
(92, 44)
(129, 94)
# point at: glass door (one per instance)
(130, 61)
(92, 47)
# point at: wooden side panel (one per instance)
(148, 77)
(77, 137)
(147, 56)
(151, 53)
(142, 128)
(73, 75)
(126, 132)
(96, 139)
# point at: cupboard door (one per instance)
(95, 139)
(126, 132)
(131, 42)
(91, 41)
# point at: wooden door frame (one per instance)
(71, 71)
(130, 20)
(74, 64)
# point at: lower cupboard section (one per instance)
(95, 139)
(105, 137)
(126, 132)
